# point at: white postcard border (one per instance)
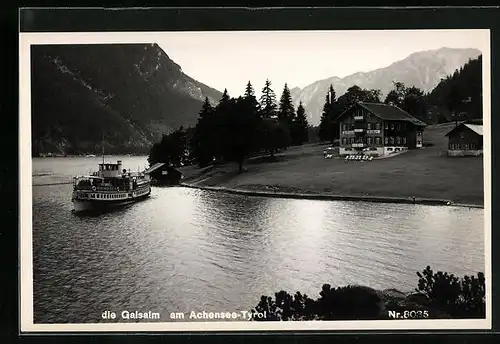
(25, 208)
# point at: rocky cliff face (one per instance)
(126, 95)
(422, 69)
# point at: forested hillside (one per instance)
(458, 96)
(126, 95)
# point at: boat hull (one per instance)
(80, 205)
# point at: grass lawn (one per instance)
(420, 173)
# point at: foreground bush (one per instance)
(460, 298)
(439, 295)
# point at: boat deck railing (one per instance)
(101, 188)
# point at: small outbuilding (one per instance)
(163, 174)
(465, 140)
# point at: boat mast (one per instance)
(102, 147)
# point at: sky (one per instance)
(231, 59)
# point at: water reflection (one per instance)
(186, 249)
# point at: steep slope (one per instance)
(461, 92)
(423, 69)
(127, 93)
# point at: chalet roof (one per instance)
(154, 167)
(478, 129)
(391, 113)
(388, 113)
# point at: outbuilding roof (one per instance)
(477, 128)
(154, 167)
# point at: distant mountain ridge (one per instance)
(423, 69)
(126, 95)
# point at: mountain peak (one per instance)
(422, 69)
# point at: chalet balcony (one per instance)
(347, 132)
(359, 118)
(359, 130)
(373, 131)
(359, 145)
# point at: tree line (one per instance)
(456, 97)
(236, 129)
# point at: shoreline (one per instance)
(328, 197)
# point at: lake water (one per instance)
(185, 249)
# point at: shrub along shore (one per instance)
(438, 296)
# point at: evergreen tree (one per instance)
(249, 91)
(268, 101)
(300, 127)
(286, 112)
(252, 109)
(327, 125)
(206, 110)
(251, 100)
(221, 114)
(238, 131)
(204, 142)
(225, 97)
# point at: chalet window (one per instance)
(462, 135)
(398, 140)
(377, 140)
(369, 126)
(404, 126)
(352, 126)
(369, 140)
(397, 127)
(377, 126)
(391, 140)
(344, 127)
(472, 146)
(404, 140)
(352, 140)
(466, 146)
(386, 140)
(344, 141)
(419, 142)
(392, 126)
(386, 126)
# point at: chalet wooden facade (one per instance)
(378, 130)
(465, 139)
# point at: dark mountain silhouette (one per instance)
(125, 95)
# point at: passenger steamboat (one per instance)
(109, 187)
